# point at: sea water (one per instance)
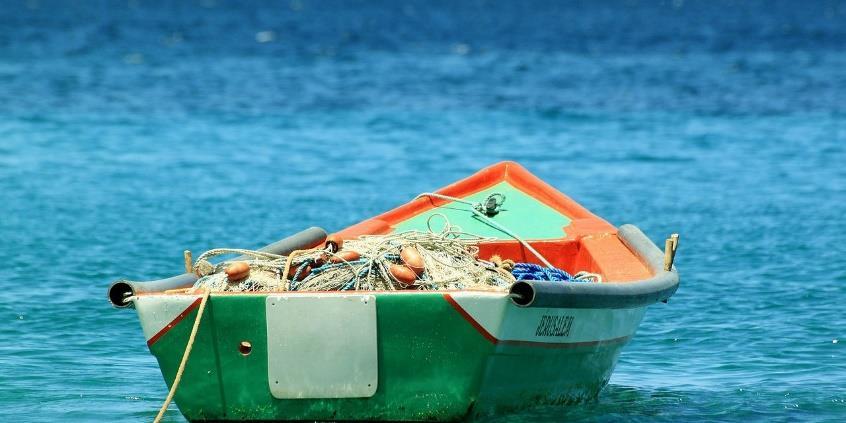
(130, 131)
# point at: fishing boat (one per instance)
(412, 350)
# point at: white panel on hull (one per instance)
(508, 322)
(321, 346)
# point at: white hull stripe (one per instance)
(491, 314)
(502, 323)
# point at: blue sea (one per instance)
(130, 131)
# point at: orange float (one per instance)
(237, 271)
(403, 273)
(412, 258)
(346, 255)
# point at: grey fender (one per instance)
(122, 289)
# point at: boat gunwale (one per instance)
(503, 293)
(612, 294)
(637, 293)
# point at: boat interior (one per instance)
(569, 236)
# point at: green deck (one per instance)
(526, 216)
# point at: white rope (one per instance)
(588, 276)
(491, 222)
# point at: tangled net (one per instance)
(450, 258)
(265, 271)
(450, 263)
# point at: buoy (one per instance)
(403, 274)
(237, 271)
(346, 255)
(333, 243)
(412, 258)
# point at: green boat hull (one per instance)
(439, 357)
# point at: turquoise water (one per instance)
(130, 132)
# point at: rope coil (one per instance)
(534, 272)
(476, 207)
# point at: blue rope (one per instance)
(305, 263)
(317, 270)
(327, 266)
(536, 272)
(362, 273)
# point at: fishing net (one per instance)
(450, 259)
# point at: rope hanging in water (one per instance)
(188, 347)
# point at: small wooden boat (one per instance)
(413, 354)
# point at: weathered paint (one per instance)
(334, 356)
(434, 363)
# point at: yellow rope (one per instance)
(185, 356)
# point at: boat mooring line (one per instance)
(536, 344)
(203, 301)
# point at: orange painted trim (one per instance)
(173, 322)
(583, 221)
(615, 265)
(611, 258)
(533, 344)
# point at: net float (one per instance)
(333, 243)
(295, 271)
(412, 258)
(403, 274)
(346, 255)
(237, 271)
